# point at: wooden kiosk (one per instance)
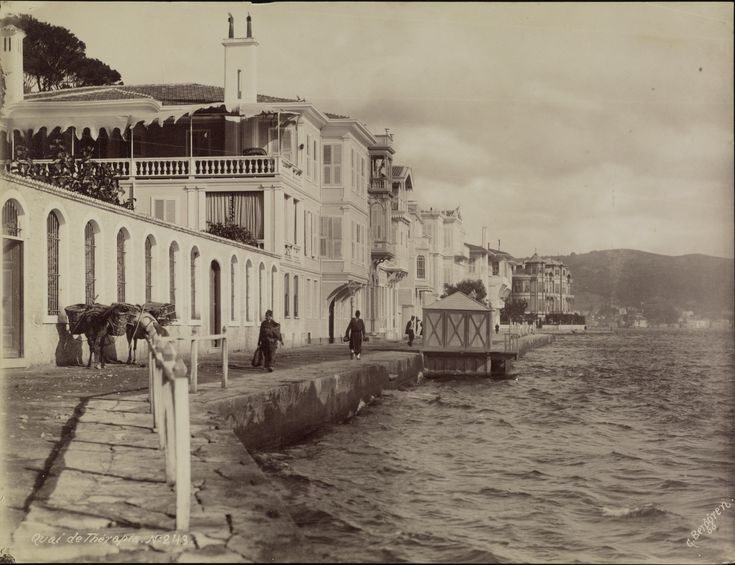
(457, 337)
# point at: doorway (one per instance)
(215, 301)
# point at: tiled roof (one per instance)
(336, 116)
(457, 301)
(399, 171)
(473, 247)
(167, 94)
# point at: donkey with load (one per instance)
(98, 321)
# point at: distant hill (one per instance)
(625, 277)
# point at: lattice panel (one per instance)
(455, 330)
(433, 329)
(478, 330)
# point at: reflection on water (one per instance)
(606, 448)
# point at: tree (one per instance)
(472, 288)
(53, 57)
(513, 310)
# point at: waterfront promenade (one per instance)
(84, 478)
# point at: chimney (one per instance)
(11, 61)
(241, 69)
(484, 238)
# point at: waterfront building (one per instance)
(545, 284)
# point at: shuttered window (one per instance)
(52, 231)
(330, 244)
(121, 240)
(89, 263)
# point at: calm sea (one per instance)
(604, 448)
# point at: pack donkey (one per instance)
(141, 326)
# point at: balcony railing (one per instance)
(198, 167)
(380, 185)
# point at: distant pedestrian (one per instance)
(355, 334)
(497, 328)
(410, 330)
(270, 335)
(419, 328)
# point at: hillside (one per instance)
(625, 277)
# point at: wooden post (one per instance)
(225, 367)
(168, 362)
(183, 446)
(158, 408)
(194, 376)
(151, 395)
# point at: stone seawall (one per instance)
(532, 341)
(287, 406)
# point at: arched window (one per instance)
(173, 251)
(121, 240)
(248, 290)
(149, 269)
(11, 226)
(194, 266)
(285, 296)
(53, 267)
(420, 267)
(296, 297)
(90, 252)
(233, 268)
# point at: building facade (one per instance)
(546, 286)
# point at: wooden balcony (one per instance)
(382, 251)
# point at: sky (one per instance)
(563, 127)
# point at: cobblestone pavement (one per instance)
(46, 407)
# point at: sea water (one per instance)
(603, 448)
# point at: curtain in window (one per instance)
(243, 208)
(218, 205)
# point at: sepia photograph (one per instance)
(369, 282)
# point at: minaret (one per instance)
(11, 60)
(241, 68)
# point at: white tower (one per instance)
(240, 68)
(11, 60)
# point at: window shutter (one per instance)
(324, 229)
(337, 164)
(337, 238)
(327, 160)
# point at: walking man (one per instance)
(410, 332)
(270, 335)
(355, 334)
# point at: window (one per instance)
(309, 158)
(286, 216)
(172, 251)
(353, 242)
(89, 263)
(496, 268)
(261, 290)
(287, 144)
(332, 161)
(420, 267)
(121, 277)
(248, 292)
(316, 160)
(233, 288)
(307, 234)
(295, 221)
(363, 178)
(353, 171)
(447, 237)
(194, 266)
(472, 265)
(149, 269)
(330, 245)
(164, 210)
(285, 295)
(296, 297)
(53, 239)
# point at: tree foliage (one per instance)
(53, 57)
(513, 310)
(232, 231)
(76, 174)
(472, 288)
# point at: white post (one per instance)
(225, 367)
(194, 377)
(168, 361)
(191, 145)
(183, 446)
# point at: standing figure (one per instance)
(270, 335)
(355, 334)
(410, 331)
(419, 328)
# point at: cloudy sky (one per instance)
(561, 127)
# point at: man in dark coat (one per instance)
(410, 330)
(270, 335)
(355, 334)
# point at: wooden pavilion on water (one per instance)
(458, 333)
